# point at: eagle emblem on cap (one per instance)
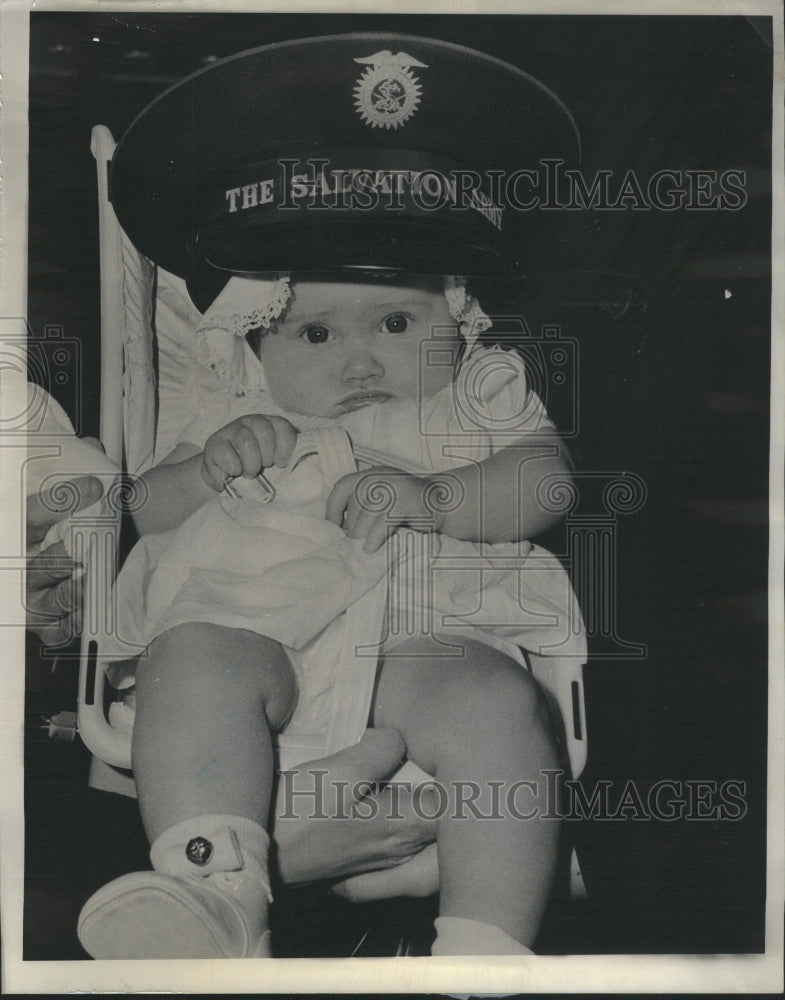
(388, 93)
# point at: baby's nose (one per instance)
(362, 363)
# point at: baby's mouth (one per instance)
(357, 400)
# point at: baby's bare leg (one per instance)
(469, 722)
(208, 698)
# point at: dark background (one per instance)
(672, 382)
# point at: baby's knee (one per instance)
(494, 688)
(445, 704)
(509, 684)
(500, 710)
(262, 670)
(216, 661)
(280, 692)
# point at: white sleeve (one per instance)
(204, 405)
(496, 397)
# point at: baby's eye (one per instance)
(316, 334)
(396, 323)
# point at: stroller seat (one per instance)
(146, 318)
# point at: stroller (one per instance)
(147, 320)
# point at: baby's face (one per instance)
(342, 346)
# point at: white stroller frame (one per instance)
(128, 433)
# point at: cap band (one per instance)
(347, 181)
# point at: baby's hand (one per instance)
(245, 447)
(372, 504)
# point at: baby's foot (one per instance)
(153, 915)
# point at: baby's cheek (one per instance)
(300, 385)
(432, 379)
(283, 385)
(437, 362)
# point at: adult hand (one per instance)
(325, 826)
(417, 876)
(53, 594)
(46, 509)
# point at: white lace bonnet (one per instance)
(248, 303)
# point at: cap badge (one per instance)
(388, 93)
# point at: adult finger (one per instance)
(418, 876)
(61, 632)
(58, 634)
(47, 508)
(47, 605)
(347, 775)
(49, 566)
(374, 757)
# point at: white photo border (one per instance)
(567, 974)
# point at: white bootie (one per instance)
(207, 898)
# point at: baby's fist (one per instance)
(372, 504)
(245, 447)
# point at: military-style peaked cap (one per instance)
(367, 150)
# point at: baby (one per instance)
(243, 606)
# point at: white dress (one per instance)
(282, 570)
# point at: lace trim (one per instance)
(455, 293)
(225, 371)
(219, 339)
(239, 324)
(466, 310)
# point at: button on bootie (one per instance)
(207, 898)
